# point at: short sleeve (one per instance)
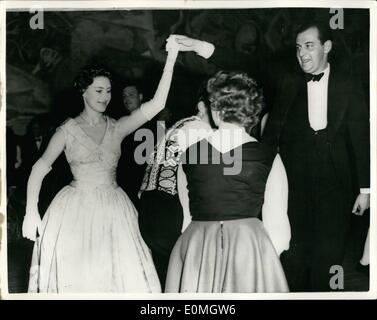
(63, 128)
(66, 129)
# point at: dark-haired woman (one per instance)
(226, 247)
(89, 237)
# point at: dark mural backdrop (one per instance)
(41, 63)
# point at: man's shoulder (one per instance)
(344, 80)
(291, 76)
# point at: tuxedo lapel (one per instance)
(336, 101)
(294, 84)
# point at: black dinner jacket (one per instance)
(347, 121)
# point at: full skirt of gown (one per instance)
(235, 256)
(90, 240)
(91, 243)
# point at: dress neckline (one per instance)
(215, 141)
(90, 138)
(242, 145)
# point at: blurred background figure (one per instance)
(14, 160)
(33, 145)
(130, 173)
(34, 142)
(132, 98)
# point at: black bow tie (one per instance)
(314, 77)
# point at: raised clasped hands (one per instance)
(32, 223)
(172, 47)
(185, 43)
(181, 43)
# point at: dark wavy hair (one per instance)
(237, 97)
(203, 96)
(324, 31)
(87, 74)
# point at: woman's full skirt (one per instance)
(234, 256)
(90, 242)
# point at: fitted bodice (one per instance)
(215, 195)
(92, 164)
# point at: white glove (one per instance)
(172, 47)
(32, 221)
(202, 48)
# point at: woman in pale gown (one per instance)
(89, 239)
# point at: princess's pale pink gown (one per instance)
(91, 240)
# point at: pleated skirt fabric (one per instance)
(91, 243)
(234, 256)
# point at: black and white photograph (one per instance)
(179, 149)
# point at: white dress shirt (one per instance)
(317, 101)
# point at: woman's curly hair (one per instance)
(87, 74)
(237, 97)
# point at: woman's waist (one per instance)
(223, 216)
(213, 208)
(88, 184)
(94, 176)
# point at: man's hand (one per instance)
(362, 203)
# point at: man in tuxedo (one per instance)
(320, 126)
(34, 144)
(319, 123)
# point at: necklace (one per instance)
(92, 124)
